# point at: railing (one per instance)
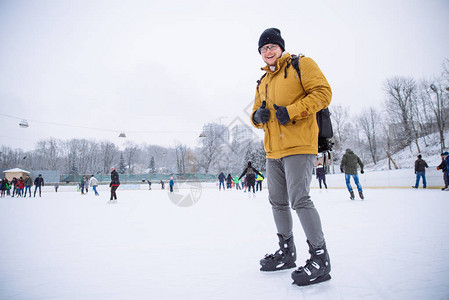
(134, 178)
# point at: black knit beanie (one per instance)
(271, 36)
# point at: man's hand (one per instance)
(341, 170)
(262, 115)
(361, 171)
(282, 114)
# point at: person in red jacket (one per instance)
(21, 186)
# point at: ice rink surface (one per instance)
(393, 245)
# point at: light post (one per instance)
(440, 119)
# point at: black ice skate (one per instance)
(351, 196)
(317, 268)
(282, 259)
(361, 195)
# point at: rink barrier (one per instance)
(396, 179)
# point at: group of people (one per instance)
(420, 170)
(171, 184)
(21, 186)
(87, 181)
(252, 179)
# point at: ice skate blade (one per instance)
(318, 280)
(271, 269)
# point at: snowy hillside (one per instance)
(407, 156)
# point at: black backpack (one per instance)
(323, 117)
(250, 175)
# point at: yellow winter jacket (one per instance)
(283, 88)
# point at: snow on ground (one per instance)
(64, 245)
(430, 149)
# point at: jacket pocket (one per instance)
(297, 133)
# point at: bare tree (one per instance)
(445, 74)
(400, 92)
(130, 155)
(10, 158)
(109, 153)
(433, 96)
(209, 152)
(388, 144)
(48, 153)
(340, 122)
(369, 123)
(181, 151)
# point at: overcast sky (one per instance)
(159, 70)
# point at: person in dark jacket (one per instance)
(446, 173)
(229, 182)
(349, 167)
(443, 168)
(250, 173)
(420, 171)
(321, 175)
(38, 184)
(3, 184)
(28, 184)
(14, 186)
(115, 183)
(82, 182)
(221, 179)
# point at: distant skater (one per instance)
(221, 179)
(250, 174)
(349, 167)
(229, 182)
(115, 183)
(420, 171)
(171, 183)
(38, 184)
(443, 167)
(93, 182)
(28, 184)
(321, 175)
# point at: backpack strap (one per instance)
(295, 64)
(260, 80)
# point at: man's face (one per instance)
(270, 53)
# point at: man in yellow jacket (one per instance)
(285, 108)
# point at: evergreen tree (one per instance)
(249, 156)
(151, 167)
(122, 165)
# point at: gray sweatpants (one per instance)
(288, 182)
